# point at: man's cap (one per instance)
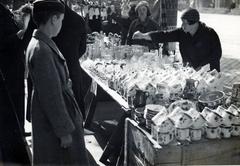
(191, 15)
(48, 5)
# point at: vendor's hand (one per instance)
(137, 35)
(140, 35)
(66, 141)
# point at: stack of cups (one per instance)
(235, 98)
(197, 125)
(236, 122)
(214, 120)
(227, 121)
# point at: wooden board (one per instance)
(140, 146)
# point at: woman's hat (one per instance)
(143, 3)
(48, 5)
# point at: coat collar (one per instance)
(41, 36)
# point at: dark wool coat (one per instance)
(71, 41)
(12, 146)
(202, 48)
(54, 110)
(12, 60)
(147, 26)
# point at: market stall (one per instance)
(176, 110)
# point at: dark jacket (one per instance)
(54, 110)
(71, 41)
(198, 50)
(12, 147)
(148, 26)
(110, 25)
(124, 24)
(12, 60)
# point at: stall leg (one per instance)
(112, 151)
(90, 104)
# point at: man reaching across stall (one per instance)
(199, 44)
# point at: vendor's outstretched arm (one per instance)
(140, 35)
(160, 36)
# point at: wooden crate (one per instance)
(140, 149)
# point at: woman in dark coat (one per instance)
(143, 24)
(12, 145)
(57, 123)
(12, 60)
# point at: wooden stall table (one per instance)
(114, 148)
(90, 101)
(140, 149)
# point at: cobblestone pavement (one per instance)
(231, 65)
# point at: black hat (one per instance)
(191, 15)
(48, 5)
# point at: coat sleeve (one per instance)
(216, 51)
(8, 34)
(130, 33)
(83, 41)
(48, 87)
(166, 36)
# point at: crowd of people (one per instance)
(42, 42)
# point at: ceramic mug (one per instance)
(236, 90)
(162, 91)
(206, 111)
(182, 134)
(202, 86)
(195, 134)
(190, 89)
(234, 109)
(213, 132)
(228, 118)
(198, 122)
(214, 73)
(235, 130)
(191, 84)
(165, 125)
(213, 119)
(220, 110)
(183, 121)
(236, 120)
(140, 98)
(165, 138)
(226, 132)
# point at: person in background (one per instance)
(94, 21)
(110, 25)
(199, 44)
(13, 28)
(57, 123)
(143, 24)
(124, 21)
(232, 5)
(71, 41)
(12, 142)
